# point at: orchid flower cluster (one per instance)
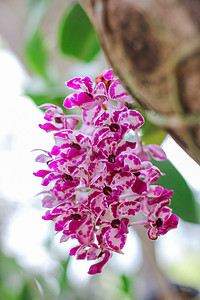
(99, 179)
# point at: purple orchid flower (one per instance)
(71, 147)
(110, 153)
(58, 121)
(114, 224)
(89, 97)
(116, 124)
(115, 89)
(98, 180)
(160, 220)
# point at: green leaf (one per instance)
(77, 36)
(152, 134)
(37, 55)
(63, 279)
(125, 284)
(35, 48)
(183, 201)
(26, 293)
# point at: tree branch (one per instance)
(157, 59)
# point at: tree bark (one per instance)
(154, 47)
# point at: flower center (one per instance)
(111, 158)
(137, 174)
(115, 223)
(114, 127)
(58, 120)
(107, 190)
(67, 177)
(76, 146)
(75, 217)
(159, 222)
(100, 254)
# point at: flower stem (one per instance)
(138, 223)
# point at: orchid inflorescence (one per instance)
(101, 178)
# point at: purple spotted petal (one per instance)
(165, 195)
(86, 233)
(116, 147)
(49, 201)
(81, 253)
(42, 158)
(101, 92)
(109, 75)
(129, 208)
(139, 186)
(86, 101)
(93, 252)
(89, 116)
(70, 123)
(105, 133)
(125, 146)
(51, 106)
(124, 180)
(132, 162)
(133, 119)
(61, 223)
(97, 202)
(155, 190)
(123, 228)
(117, 90)
(119, 115)
(42, 173)
(144, 205)
(71, 101)
(97, 268)
(49, 216)
(104, 119)
(52, 111)
(170, 223)
(48, 127)
(81, 84)
(114, 243)
(74, 250)
(98, 184)
(152, 233)
(163, 212)
(156, 152)
(100, 235)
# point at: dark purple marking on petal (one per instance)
(75, 217)
(159, 222)
(76, 146)
(114, 127)
(115, 223)
(137, 174)
(58, 120)
(139, 186)
(67, 177)
(111, 158)
(170, 223)
(107, 190)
